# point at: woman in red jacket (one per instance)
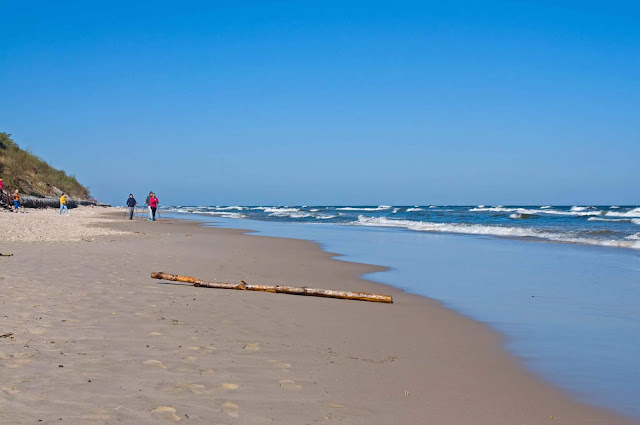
(153, 203)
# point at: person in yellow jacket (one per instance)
(63, 204)
(16, 201)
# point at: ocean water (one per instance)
(563, 288)
(612, 225)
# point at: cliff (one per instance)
(39, 183)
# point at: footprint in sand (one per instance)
(254, 346)
(230, 409)
(154, 363)
(290, 385)
(194, 388)
(189, 359)
(192, 348)
(228, 386)
(165, 412)
(207, 371)
(18, 363)
(11, 390)
(99, 414)
(332, 405)
(279, 364)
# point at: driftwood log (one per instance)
(293, 290)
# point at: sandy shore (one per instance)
(47, 225)
(95, 340)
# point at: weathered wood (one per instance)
(293, 290)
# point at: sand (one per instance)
(47, 225)
(95, 340)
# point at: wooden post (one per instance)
(293, 290)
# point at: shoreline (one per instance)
(600, 386)
(315, 359)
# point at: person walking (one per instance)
(63, 204)
(131, 204)
(16, 201)
(153, 204)
(146, 202)
(2, 197)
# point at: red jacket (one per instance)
(153, 202)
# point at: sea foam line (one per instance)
(575, 213)
(378, 208)
(479, 229)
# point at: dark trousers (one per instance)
(131, 213)
(153, 213)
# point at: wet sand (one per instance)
(95, 340)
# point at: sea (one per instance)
(560, 283)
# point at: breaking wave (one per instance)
(634, 213)
(502, 231)
(379, 208)
(572, 212)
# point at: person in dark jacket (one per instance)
(146, 202)
(131, 204)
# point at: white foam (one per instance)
(279, 210)
(231, 208)
(222, 214)
(395, 210)
(575, 213)
(634, 213)
(414, 209)
(609, 219)
(380, 208)
(546, 207)
(516, 215)
(325, 216)
(288, 212)
(635, 220)
(478, 229)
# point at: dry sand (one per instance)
(96, 341)
(47, 225)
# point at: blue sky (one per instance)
(330, 102)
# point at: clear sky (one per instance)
(329, 102)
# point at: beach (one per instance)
(89, 337)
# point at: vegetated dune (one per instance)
(39, 183)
